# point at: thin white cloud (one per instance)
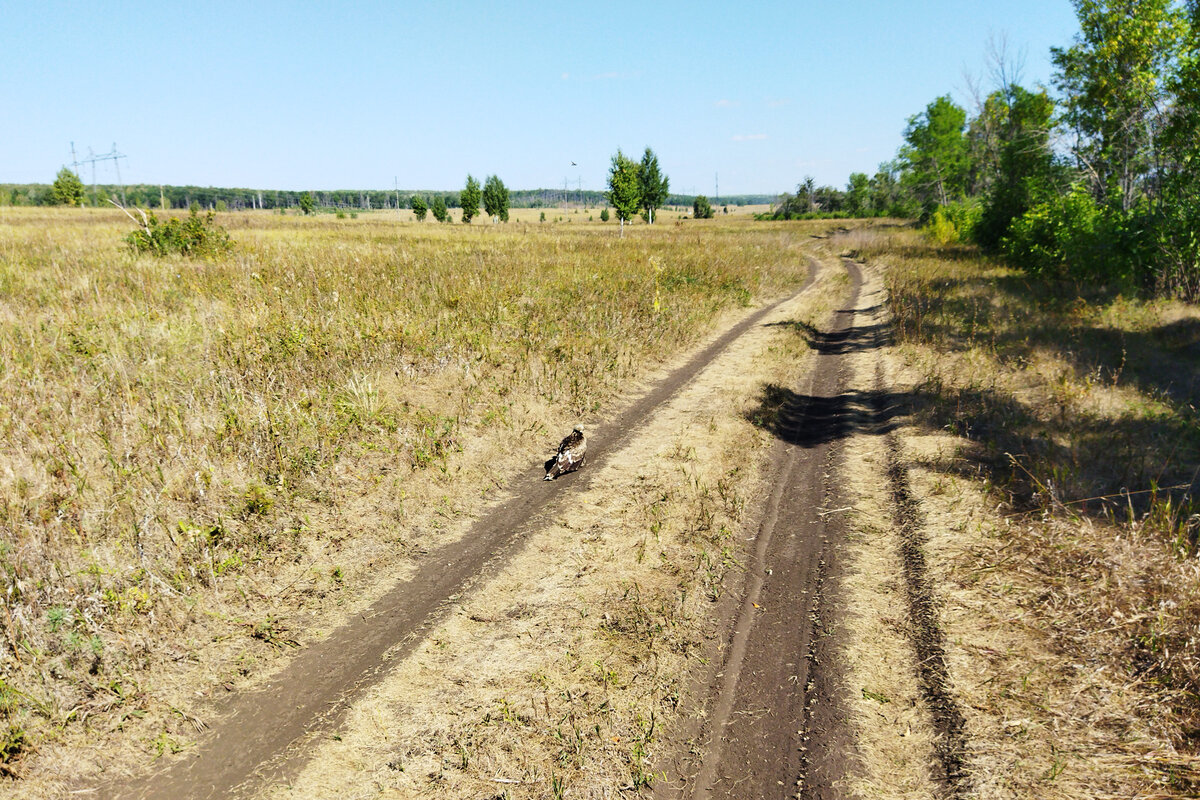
(748, 137)
(566, 76)
(726, 103)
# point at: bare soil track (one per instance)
(773, 727)
(263, 735)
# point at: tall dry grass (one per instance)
(184, 445)
(1056, 443)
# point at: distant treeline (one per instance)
(224, 199)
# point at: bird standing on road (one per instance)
(570, 454)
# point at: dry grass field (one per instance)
(205, 464)
(1051, 453)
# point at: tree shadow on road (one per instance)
(853, 339)
(808, 421)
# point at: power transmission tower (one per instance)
(717, 188)
(92, 158)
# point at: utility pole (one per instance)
(716, 189)
(396, 181)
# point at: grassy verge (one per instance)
(205, 463)
(1053, 448)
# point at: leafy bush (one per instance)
(1058, 237)
(940, 228)
(193, 236)
(701, 209)
(955, 222)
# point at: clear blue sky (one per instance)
(327, 95)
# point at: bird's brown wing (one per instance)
(571, 441)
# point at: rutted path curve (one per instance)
(262, 735)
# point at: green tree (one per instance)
(67, 189)
(858, 194)
(307, 203)
(468, 198)
(604, 215)
(701, 208)
(495, 199)
(935, 153)
(624, 188)
(888, 196)
(1180, 269)
(419, 206)
(1114, 80)
(439, 211)
(1024, 173)
(652, 185)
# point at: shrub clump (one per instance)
(193, 236)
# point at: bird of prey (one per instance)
(572, 163)
(570, 455)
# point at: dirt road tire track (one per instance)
(933, 672)
(773, 727)
(264, 734)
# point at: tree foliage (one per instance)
(935, 153)
(67, 189)
(438, 209)
(858, 194)
(701, 208)
(1024, 174)
(307, 204)
(652, 185)
(624, 188)
(1114, 83)
(1098, 182)
(469, 199)
(419, 206)
(495, 199)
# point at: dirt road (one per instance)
(262, 736)
(773, 727)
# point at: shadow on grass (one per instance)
(1093, 463)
